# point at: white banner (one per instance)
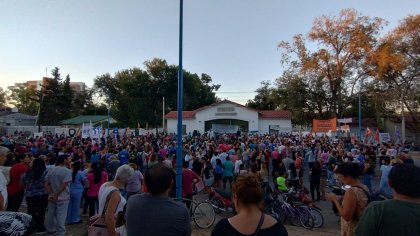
(345, 120)
(96, 132)
(40, 134)
(384, 137)
(86, 131)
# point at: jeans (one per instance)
(37, 205)
(56, 217)
(73, 212)
(331, 179)
(367, 180)
(15, 201)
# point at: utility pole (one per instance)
(179, 157)
(163, 114)
(402, 120)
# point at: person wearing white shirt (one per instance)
(238, 164)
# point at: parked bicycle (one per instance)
(287, 210)
(202, 213)
(220, 200)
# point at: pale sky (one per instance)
(234, 41)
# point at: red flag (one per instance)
(368, 132)
(377, 135)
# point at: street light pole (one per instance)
(360, 110)
(109, 118)
(179, 157)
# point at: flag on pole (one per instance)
(397, 135)
(368, 132)
(376, 138)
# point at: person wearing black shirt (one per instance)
(250, 220)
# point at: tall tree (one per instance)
(66, 107)
(397, 66)
(24, 98)
(3, 97)
(265, 98)
(343, 45)
(51, 95)
(136, 94)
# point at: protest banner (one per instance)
(324, 125)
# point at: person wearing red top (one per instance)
(15, 190)
(188, 178)
(95, 178)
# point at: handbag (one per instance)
(97, 223)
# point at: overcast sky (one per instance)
(234, 41)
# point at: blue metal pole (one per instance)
(360, 117)
(109, 113)
(179, 157)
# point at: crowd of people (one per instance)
(61, 178)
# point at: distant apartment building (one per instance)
(38, 84)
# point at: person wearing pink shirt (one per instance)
(94, 180)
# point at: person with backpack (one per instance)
(355, 199)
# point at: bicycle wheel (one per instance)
(305, 217)
(318, 218)
(218, 204)
(204, 215)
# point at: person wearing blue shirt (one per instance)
(227, 172)
(123, 155)
(76, 192)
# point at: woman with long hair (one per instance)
(355, 199)
(76, 192)
(250, 218)
(35, 193)
(95, 178)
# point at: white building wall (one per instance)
(239, 113)
(284, 124)
(171, 125)
(229, 111)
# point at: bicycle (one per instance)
(298, 213)
(202, 213)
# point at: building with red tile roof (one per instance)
(228, 117)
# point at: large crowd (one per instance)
(128, 181)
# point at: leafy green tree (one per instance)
(24, 98)
(266, 98)
(3, 97)
(67, 98)
(136, 95)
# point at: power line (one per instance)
(235, 92)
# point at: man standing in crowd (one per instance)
(144, 211)
(57, 185)
(399, 216)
